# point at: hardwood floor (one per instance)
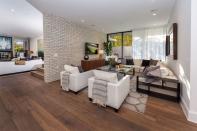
(29, 104)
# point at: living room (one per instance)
(125, 62)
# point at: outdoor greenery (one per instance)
(18, 48)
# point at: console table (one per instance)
(165, 88)
(92, 64)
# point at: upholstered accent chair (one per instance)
(77, 80)
(117, 90)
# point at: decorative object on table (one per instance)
(86, 57)
(112, 62)
(41, 54)
(101, 52)
(20, 62)
(117, 66)
(108, 48)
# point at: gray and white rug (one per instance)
(135, 101)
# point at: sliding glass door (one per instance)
(121, 43)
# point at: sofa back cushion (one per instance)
(137, 62)
(71, 69)
(129, 62)
(106, 76)
(145, 63)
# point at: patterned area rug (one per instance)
(135, 101)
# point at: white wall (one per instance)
(33, 45)
(181, 66)
(185, 15)
(193, 67)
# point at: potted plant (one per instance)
(107, 48)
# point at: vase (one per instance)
(86, 57)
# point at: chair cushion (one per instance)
(71, 69)
(107, 76)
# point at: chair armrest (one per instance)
(120, 90)
(79, 81)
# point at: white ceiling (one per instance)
(19, 18)
(109, 15)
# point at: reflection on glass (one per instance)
(127, 45)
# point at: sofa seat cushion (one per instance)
(71, 69)
(107, 76)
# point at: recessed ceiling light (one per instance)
(12, 10)
(154, 12)
(82, 20)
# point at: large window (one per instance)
(139, 44)
(149, 44)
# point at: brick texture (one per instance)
(64, 44)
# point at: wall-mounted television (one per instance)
(91, 48)
(5, 43)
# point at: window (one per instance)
(149, 44)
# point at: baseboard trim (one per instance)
(184, 107)
(190, 115)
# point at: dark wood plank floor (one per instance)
(29, 104)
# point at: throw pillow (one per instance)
(149, 69)
(71, 69)
(79, 67)
(153, 62)
(155, 73)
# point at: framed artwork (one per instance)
(172, 42)
(5, 43)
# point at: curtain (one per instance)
(149, 43)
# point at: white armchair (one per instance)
(78, 81)
(116, 92)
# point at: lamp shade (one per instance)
(101, 51)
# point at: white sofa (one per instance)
(116, 92)
(9, 67)
(78, 81)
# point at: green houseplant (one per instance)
(107, 48)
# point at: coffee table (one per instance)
(126, 69)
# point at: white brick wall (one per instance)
(64, 44)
